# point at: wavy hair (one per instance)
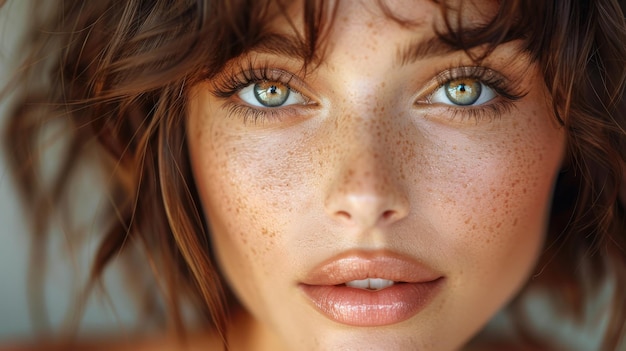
(115, 75)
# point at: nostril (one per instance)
(389, 214)
(365, 210)
(343, 214)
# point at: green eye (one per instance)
(271, 94)
(463, 92)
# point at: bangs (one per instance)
(228, 31)
(232, 32)
(211, 33)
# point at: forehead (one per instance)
(406, 13)
(408, 29)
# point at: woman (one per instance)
(344, 175)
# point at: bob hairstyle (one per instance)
(115, 77)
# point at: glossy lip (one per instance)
(325, 287)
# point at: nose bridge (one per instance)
(365, 189)
(364, 165)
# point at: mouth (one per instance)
(370, 283)
(371, 289)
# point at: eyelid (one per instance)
(248, 91)
(502, 86)
(229, 84)
(486, 94)
(507, 91)
(477, 72)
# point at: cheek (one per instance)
(246, 194)
(492, 199)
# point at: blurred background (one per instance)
(13, 238)
(64, 271)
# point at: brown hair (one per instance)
(117, 74)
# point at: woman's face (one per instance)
(394, 197)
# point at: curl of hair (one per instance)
(118, 75)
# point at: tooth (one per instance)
(361, 284)
(370, 283)
(377, 283)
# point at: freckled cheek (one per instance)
(249, 191)
(241, 240)
(223, 202)
(495, 205)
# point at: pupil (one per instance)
(463, 92)
(271, 94)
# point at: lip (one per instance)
(326, 289)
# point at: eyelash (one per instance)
(227, 86)
(506, 93)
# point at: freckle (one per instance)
(515, 222)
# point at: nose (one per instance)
(365, 189)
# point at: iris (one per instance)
(463, 91)
(271, 94)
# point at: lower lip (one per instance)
(369, 308)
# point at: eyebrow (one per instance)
(291, 46)
(423, 49)
(282, 45)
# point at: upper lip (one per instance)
(362, 265)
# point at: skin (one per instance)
(369, 163)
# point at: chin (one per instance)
(409, 335)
